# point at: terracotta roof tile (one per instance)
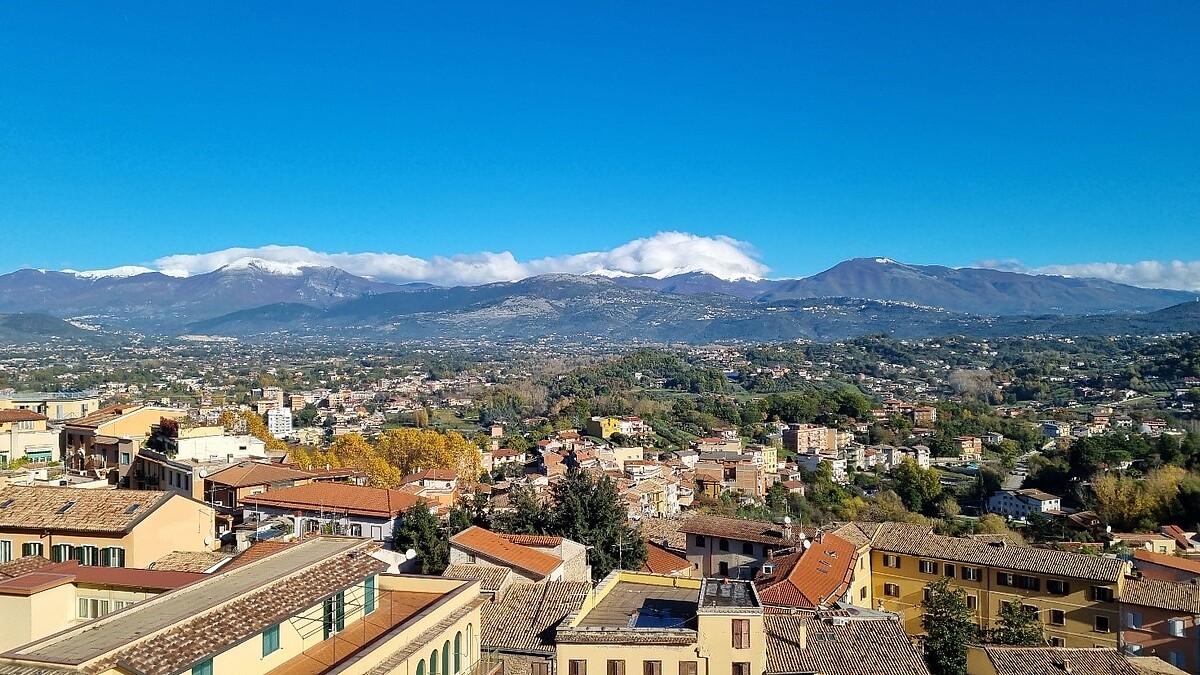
(811, 578)
(526, 619)
(661, 561)
(806, 644)
(534, 540)
(491, 579)
(1177, 596)
(18, 415)
(484, 542)
(189, 561)
(340, 497)
(19, 566)
(1175, 562)
(258, 551)
(739, 529)
(1043, 660)
(24, 507)
(245, 474)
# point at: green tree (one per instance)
(590, 512)
(420, 530)
(528, 515)
(949, 627)
(1019, 626)
(918, 488)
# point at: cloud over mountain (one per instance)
(1175, 274)
(663, 254)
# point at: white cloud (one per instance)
(1174, 274)
(663, 254)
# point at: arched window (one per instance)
(446, 658)
(470, 647)
(420, 668)
(458, 652)
(433, 670)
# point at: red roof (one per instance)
(337, 497)
(811, 578)
(431, 474)
(1165, 560)
(661, 561)
(17, 415)
(71, 571)
(535, 540)
(487, 543)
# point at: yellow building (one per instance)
(23, 434)
(106, 441)
(320, 606)
(603, 426)
(1076, 596)
(661, 625)
(107, 528)
(58, 406)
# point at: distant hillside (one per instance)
(26, 328)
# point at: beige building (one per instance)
(662, 625)
(42, 598)
(105, 442)
(58, 406)
(321, 606)
(530, 557)
(24, 435)
(107, 528)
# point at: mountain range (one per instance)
(857, 296)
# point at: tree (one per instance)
(306, 415)
(949, 627)
(590, 512)
(1019, 626)
(420, 530)
(528, 515)
(918, 488)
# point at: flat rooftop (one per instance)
(94, 639)
(727, 593)
(655, 606)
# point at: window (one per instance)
(1031, 609)
(1058, 617)
(1057, 642)
(32, 548)
(93, 608)
(87, 555)
(700, 540)
(748, 548)
(433, 663)
(948, 570)
(928, 567)
(125, 458)
(270, 640)
(458, 652)
(927, 594)
(741, 668)
(862, 593)
(1133, 619)
(1101, 624)
(113, 556)
(204, 668)
(971, 574)
(536, 668)
(1102, 594)
(891, 561)
(421, 667)
(577, 667)
(446, 658)
(891, 590)
(355, 530)
(369, 595)
(723, 568)
(651, 667)
(616, 667)
(1028, 583)
(62, 553)
(1177, 659)
(5, 551)
(1175, 628)
(1058, 587)
(687, 668)
(972, 602)
(741, 633)
(723, 544)
(1004, 579)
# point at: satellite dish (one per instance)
(203, 473)
(787, 520)
(410, 554)
(208, 541)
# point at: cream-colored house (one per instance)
(23, 434)
(107, 528)
(106, 442)
(321, 606)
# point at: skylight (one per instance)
(66, 507)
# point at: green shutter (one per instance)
(369, 595)
(270, 640)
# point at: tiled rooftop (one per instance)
(805, 644)
(484, 542)
(661, 561)
(337, 497)
(813, 577)
(189, 561)
(738, 529)
(1172, 595)
(188, 624)
(245, 474)
(491, 579)
(525, 619)
(59, 509)
(1042, 660)
(18, 415)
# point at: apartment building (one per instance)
(24, 435)
(1160, 618)
(805, 437)
(55, 405)
(107, 528)
(106, 441)
(530, 557)
(1076, 596)
(333, 508)
(1021, 503)
(320, 606)
(733, 547)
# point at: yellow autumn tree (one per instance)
(1128, 503)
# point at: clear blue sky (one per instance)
(948, 133)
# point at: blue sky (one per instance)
(1053, 134)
